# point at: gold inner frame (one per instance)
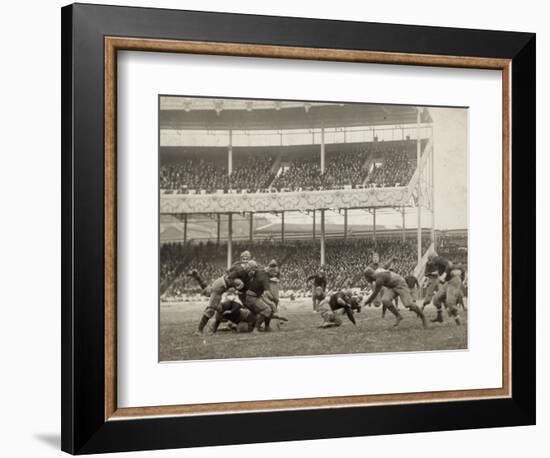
(114, 44)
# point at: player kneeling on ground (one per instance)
(232, 310)
(395, 285)
(214, 292)
(328, 306)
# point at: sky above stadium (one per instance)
(451, 167)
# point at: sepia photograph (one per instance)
(295, 228)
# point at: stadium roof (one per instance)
(231, 114)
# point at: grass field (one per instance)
(300, 335)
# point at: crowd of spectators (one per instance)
(173, 258)
(453, 247)
(396, 169)
(394, 165)
(341, 169)
(193, 173)
(250, 173)
(345, 261)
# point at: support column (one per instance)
(230, 154)
(432, 179)
(282, 226)
(322, 237)
(345, 224)
(251, 227)
(219, 228)
(314, 235)
(374, 225)
(403, 224)
(418, 192)
(229, 239)
(322, 150)
(185, 228)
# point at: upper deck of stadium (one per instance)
(227, 146)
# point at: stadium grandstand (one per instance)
(308, 184)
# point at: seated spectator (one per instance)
(344, 261)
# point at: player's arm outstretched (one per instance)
(387, 265)
(195, 274)
(375, 291)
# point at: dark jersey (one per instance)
(318, 280)
(438, 265)
(230, 310)
(333, 300)
(230, 306)
(259, 283)
(335, 304)
(237, 271)
(411, 281)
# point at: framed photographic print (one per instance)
(271, 222)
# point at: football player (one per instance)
(434, 266)
(377, 266)
(319, 281)
(259, 299)
(231, 309)
(449, 291)
(214, 292)
(395, 286)
(342, 300)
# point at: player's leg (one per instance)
(327, 315)
(260, 309)
(210, 310)
(438, 300)
(218, 317)
(247, 320)
(454, 293)
(430, 291)
(387, 301)
(414, 294)
(406, 298)
(378, 299)
(250, 319)
(267, 321)
(462, 296)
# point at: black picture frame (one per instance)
(84, 428)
